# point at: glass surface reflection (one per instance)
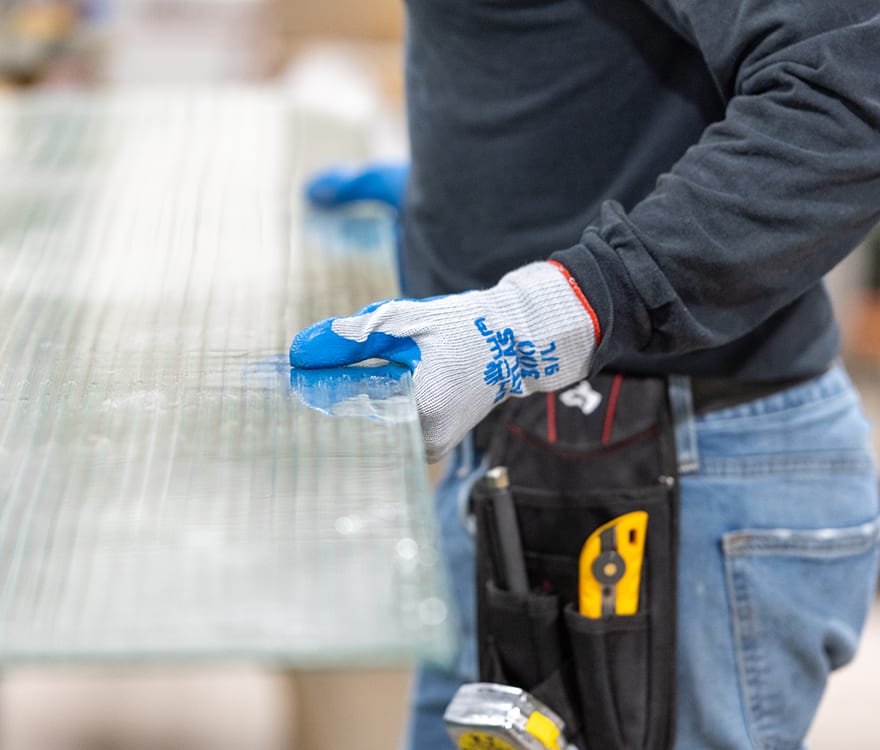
(169, 488)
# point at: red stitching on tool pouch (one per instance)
(551, 417)
(612, 407)
(579, 455)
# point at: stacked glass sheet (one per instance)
(169, 488)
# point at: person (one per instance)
(651, 186)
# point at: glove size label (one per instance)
(513, 360)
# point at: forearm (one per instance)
(758, 211)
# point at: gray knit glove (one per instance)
(533, 331)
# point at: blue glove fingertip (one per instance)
(319, 346)
(337, 186)
(383, 183)
(307, 350)
(324, 189)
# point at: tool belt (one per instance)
(595, 494)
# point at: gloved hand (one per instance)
(384, 183)
(533, 331)
(378, 182)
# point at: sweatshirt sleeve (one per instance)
(770, 198)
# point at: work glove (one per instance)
(533, 331)
(338, 186)
(377, 182)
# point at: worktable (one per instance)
(169, 489)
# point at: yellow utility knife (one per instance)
(610, 567)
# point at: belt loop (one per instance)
(464, 456)
(682, 405)
(471, 465)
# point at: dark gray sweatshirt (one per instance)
(697, 165)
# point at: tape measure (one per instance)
(487, 716)
(482, 741)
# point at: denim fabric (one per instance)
(778, 565)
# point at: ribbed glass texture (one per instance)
(169, 489)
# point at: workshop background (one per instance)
(343, 58)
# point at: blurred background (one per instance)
(341, 57)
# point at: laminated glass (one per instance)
(169, 488)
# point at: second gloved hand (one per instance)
(377, 182)
(533, 331)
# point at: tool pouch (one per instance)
(611, 678)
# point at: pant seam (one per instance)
(741, 621)
(751, 466)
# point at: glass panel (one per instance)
(168, 488)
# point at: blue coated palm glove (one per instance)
(533, 331)
(384, 183)
(378, 182)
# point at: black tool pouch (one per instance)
(610, 678)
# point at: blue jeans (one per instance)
(777, 566)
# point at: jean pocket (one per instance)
(798, 599)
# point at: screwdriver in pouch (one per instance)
(489, 716)
(510, 562)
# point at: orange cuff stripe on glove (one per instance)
(582, 297)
